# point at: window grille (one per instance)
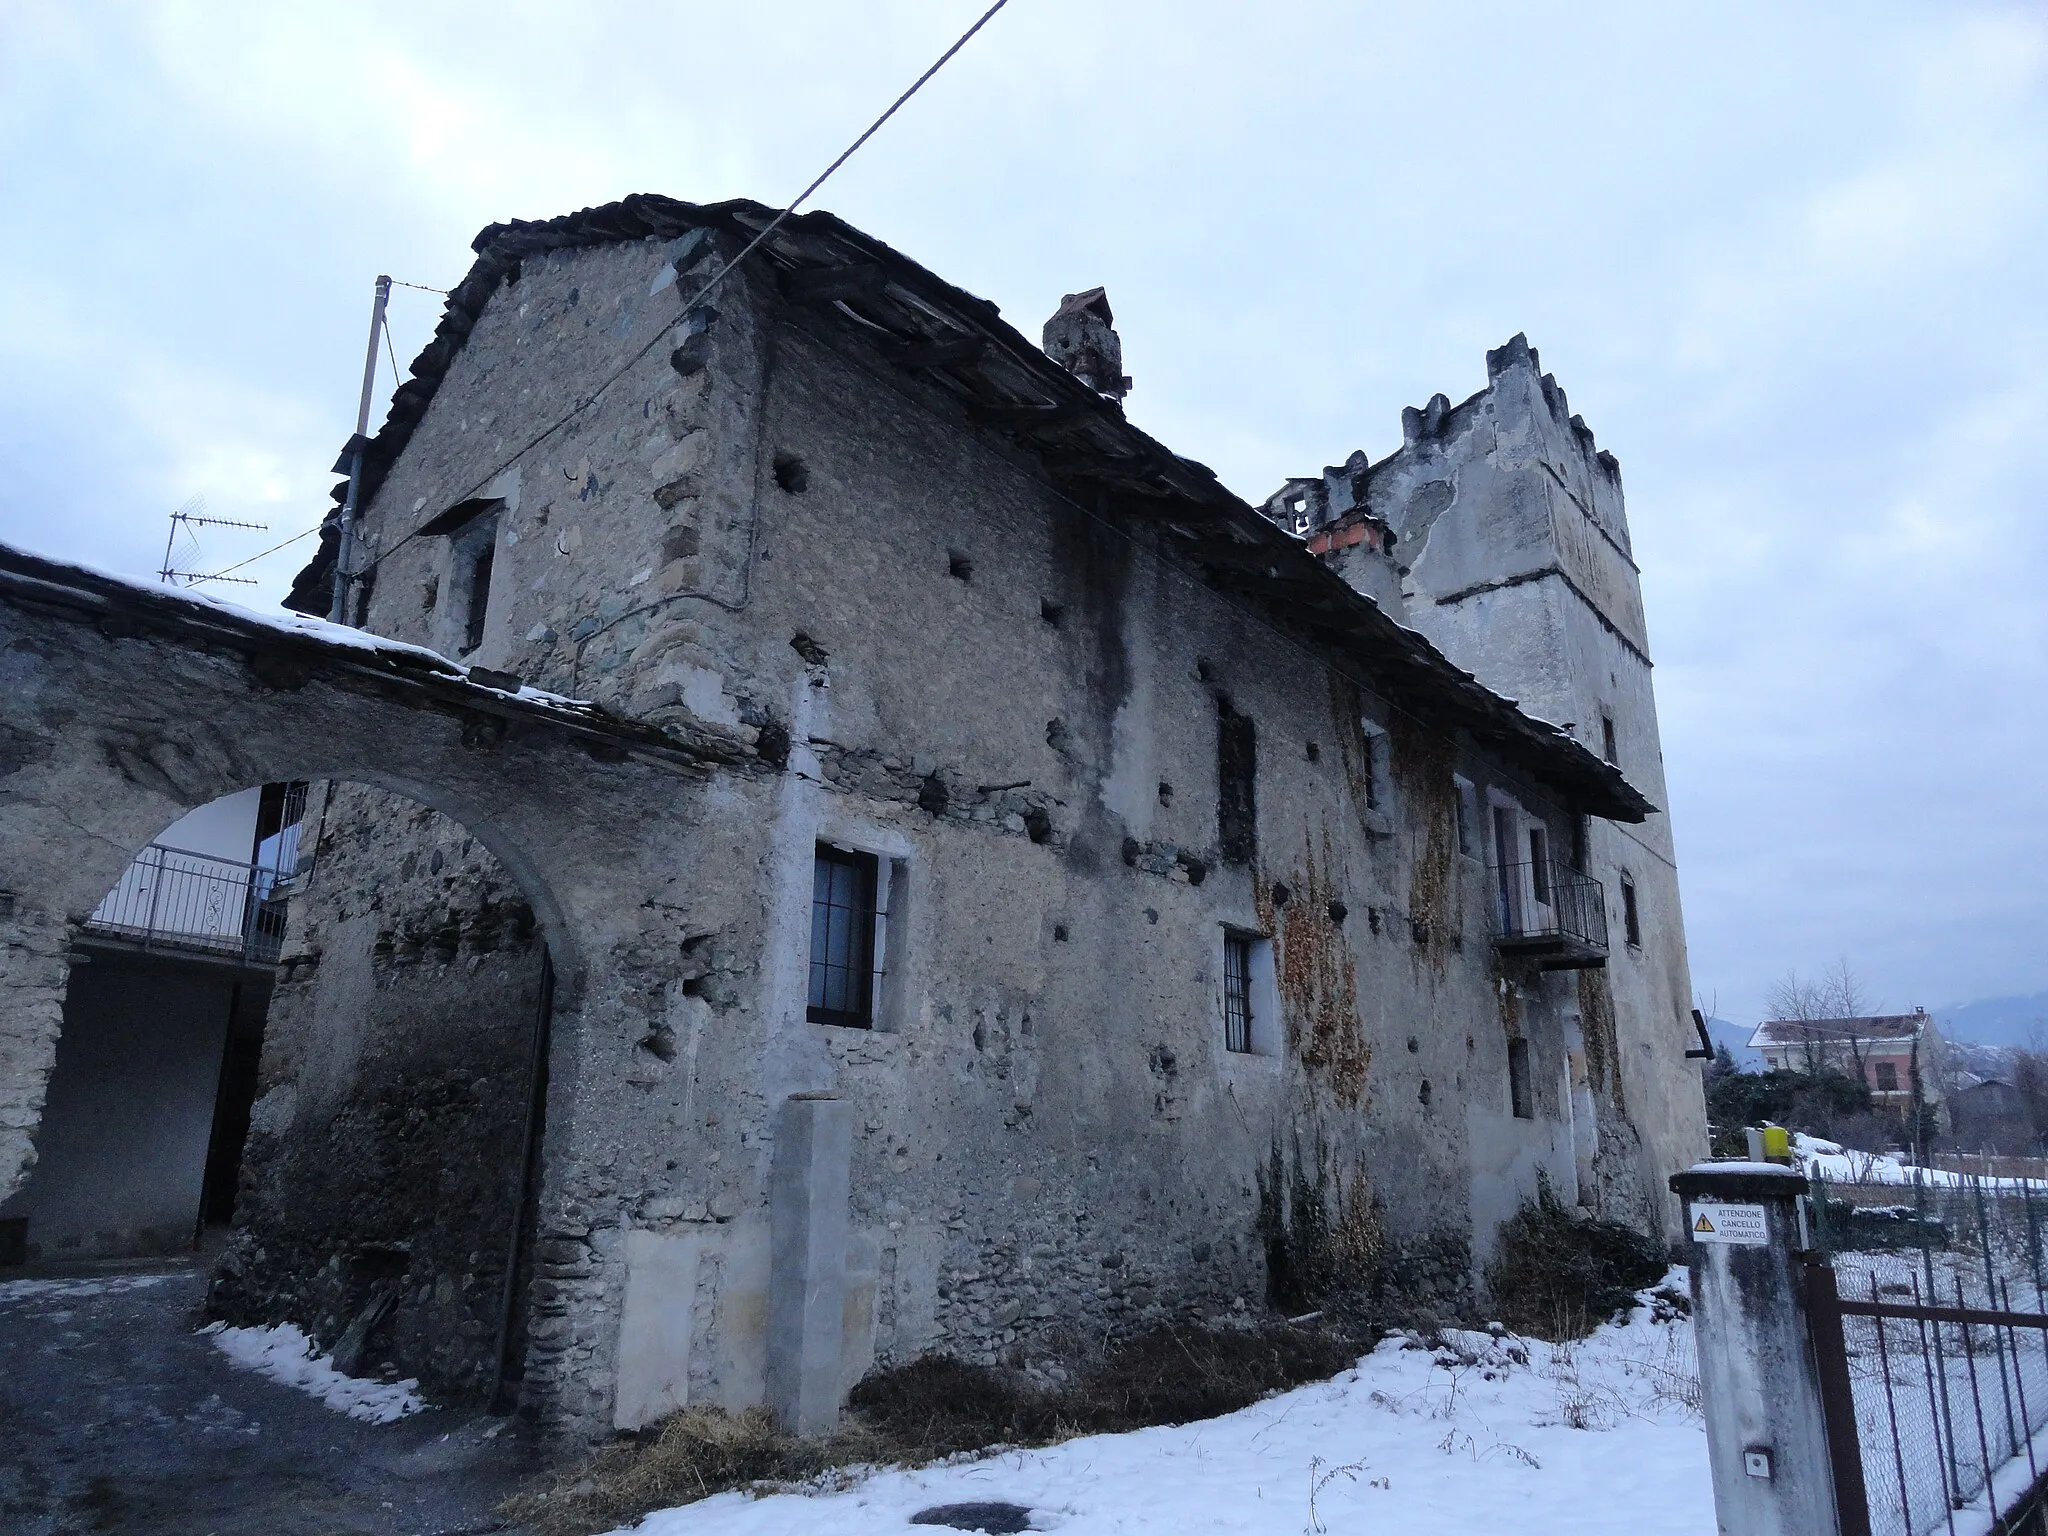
(1237, 993)
(843, 939)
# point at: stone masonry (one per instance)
(1104, 731)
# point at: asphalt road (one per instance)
(116, 1416)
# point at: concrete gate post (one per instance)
(1767, 1439)
(808, 1185)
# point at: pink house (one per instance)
(1882, 1046)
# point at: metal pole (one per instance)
(345, 548)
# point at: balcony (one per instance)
(174, 900)
(1550, 913)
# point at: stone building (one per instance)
(1508, 542)
(1076, 876)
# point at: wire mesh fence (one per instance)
(1942, 1317)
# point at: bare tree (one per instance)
(1795, 1000)
(1845, 996)
(2030, 1082)
(1812, 1004)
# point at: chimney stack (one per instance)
(1081, 339)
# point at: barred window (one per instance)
(1237, 993)
(843, 938)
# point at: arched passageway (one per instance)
(122, 709)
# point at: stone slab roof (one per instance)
(1089, 451)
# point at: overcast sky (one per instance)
(1787, 261)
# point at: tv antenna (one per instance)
(184, 520)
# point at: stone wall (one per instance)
(1018, 708)
(388, 1138)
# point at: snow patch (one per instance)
(285, 1354)
(1430, 1434)
(98, 1285)
(1831, 1161)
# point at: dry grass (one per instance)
(1557, 1275)
(691, 1456)
(933, 1408)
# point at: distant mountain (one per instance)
(2002, 1021)
(1989, 1061)
(1736, 1038)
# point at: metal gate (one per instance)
(1933, 1372)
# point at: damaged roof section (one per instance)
(1089, 452)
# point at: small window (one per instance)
(1631, 918)
(843, 939)
(1520, 1099)
(479, 597)
(1582, 835)
(1887, 1075)
(471, 528)
(1468, 817)
(1237, 771)
(1237, 993)
(1377, 786)
(1251, 997)
(1539, 865)
(1607, 745)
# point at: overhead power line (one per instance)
(710, 283)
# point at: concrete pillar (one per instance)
(808, 1182)
(1767, 1439)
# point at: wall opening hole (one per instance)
(958, 566)
(791, 474)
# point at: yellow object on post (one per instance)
(1770, 1144)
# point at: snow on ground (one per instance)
(286, 1355)
(1831, 1161)
(1483, 1433)
(96, 1285)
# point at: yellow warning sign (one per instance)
(1715, 1221)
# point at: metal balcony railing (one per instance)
(1552, 913)
(174, 899)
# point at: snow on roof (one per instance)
(1870, 1030)
(191, 616)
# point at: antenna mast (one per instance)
(188, 518)
(345, 548)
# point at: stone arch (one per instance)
(121, 707)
